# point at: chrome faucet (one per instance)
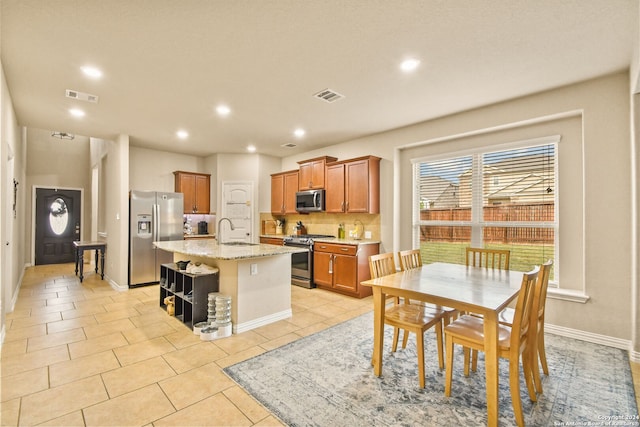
(219, 230)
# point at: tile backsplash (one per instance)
(325, 223)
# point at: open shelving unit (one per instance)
(190, 291)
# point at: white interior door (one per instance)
(237, 205)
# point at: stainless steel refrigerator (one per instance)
(153, 216)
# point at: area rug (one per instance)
(326, 379)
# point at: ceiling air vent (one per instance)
(289, 145)
(328, 95)
(81, 96)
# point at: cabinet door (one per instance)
(306, 176)
(290, 189)
(187, 186)
(277, 194)
(345, 272)
(335, 188)
(357, 186)
(201, 192)
(322, 267)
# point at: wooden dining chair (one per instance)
(489, 258)
(537, 343)
(414, 318)
(468, 331)
(410, 259)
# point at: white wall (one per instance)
(12, 166)
(152, 170)
(604, 104)
(49, 166)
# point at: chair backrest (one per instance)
(494, 258)
(522, 315)
(540, 295)
(382, 265)
(410, 259)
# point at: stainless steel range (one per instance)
(302, 263)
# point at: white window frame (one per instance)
(477, 224)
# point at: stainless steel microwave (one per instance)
(310, 201)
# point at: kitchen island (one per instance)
(256, 276)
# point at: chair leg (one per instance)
(527, 369)
(405, 338)
(535, 368)
(541, 352)
(514, 385)
(396, 334)
(420, 348)
(474, 360)
(449, 367)
(440, 345)
(466, 351)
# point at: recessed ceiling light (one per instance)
(409, 65)
(299, 133)
(251, 148)
(76, 112)
(92, 72)
(182, 134)
(223, 110)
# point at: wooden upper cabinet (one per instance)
(284, 186)
(196, 190)
(353, 186)
(312, 173)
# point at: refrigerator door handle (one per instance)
(156, 222)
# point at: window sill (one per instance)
(567, 295)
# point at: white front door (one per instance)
(237, 205)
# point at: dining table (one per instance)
(479, 290)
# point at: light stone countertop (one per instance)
(209, 248)
(345, 241)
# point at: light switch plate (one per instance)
(254, 269)
(367, 234)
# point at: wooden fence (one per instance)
(522, 213)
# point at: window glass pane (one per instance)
(439, 183)
(58, 216)
(519, 177)
(529, 246)
(444, 243)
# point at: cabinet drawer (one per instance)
(335, 248)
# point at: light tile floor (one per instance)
(79, 354)
(86, 355)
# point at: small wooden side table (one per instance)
(82, 246)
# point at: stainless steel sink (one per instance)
(239, 244)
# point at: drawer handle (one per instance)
(344, 249)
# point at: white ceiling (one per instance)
(168, 63)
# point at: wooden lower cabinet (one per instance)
(341, 267)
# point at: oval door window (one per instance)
(58, 216)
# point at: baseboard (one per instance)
(262, 321)
(14, 297)
(634, 356)
(115, 285)
(2, 334)
(589, 337)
